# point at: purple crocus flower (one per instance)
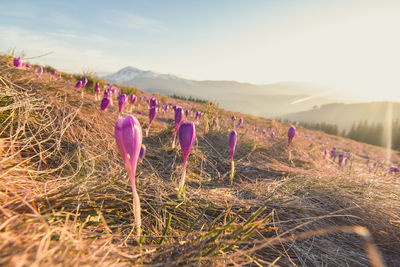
(233, 118)
(291, 134)
(186, 136)
(104, 103)
(128, 135)
(153, 102)
(27, 65)
(341, 157)
(140, 99)
(40, 71)
(84, 82)
(132, 99)
(78, 86)
(17, 62)
(186, 113)
(152, 115)
(325, 152)
(333, 153)
(139, 112)
(240, 122)
(96, 91)
(394, 170)
(142, 153)
(232, 146)
(121, 103)
(272, 135)
(178, 120)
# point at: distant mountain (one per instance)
(260, 100)
(344, 115)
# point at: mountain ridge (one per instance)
(257, 99)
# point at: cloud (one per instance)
(134, 22)
(68, 55)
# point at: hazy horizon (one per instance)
(349, 46)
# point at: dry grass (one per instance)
(65, 197)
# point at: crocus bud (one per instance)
(233, 118)
(272, 135)
(17, 62)
(142, 152)
(186, 136)
(153, 102)
(186, 113)
(104, 103)
(240, 122)
(40, 71)
(78, 85)
(121, 103)
(291, 134)
(232, 142)
(97, 88)
(178, 120)
(333, 153)
(341, 157)
(152, 114)
(132, 99)
(27, 65)
(128, 135)
(84, 81)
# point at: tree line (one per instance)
(367, 132)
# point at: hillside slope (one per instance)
(65, 196)
(345, 115)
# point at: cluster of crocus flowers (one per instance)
(128, 135)
(232, 146)
(178, 120)
(186, 136)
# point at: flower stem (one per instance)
(173, 142)
(136, 205)
(182, 181)
(232, 171)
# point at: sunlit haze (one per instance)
(349, 46)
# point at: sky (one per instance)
(351, 46)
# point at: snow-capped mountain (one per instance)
(130, 73)
(261, 100)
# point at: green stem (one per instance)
(182, 181)
(232, 171)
